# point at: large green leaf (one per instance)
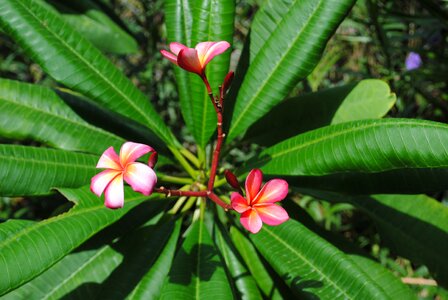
(245, 284)
(313, 267)
(256, 267)
(371, 156)
(31, 111)
(391, 283)
(413, 226)
(197, 271)
(30, 251)
(150, 286)
(36, 171)
(71, 60)
(212, 21)
(368, 99)
(296, 36)
(179, 20)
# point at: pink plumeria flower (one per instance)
(259, 205)
(139, 176)
(195, 59)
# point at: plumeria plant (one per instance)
(168, 218)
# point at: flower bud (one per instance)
(232, 180)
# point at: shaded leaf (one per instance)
(368, 99)
(197, 271)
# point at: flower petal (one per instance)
(251, 220)
(130, 151)
(272, 214)
(188, 60)
(212, 51)
(100, 181)
(114, 193)
(239, 203)
(109, 160)
(274, 190)
(253, 183)
(175, 47)
(141, 178)
(170, 56)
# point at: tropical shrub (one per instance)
(182, 232)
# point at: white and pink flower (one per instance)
(139, 176)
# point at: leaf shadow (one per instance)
(299, 286)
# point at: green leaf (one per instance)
(85, 269)
(212, 21)
(30, 251)
(179, 20)
(10, 227)
(364, 157)
(71, 60)
(36, 171)
(298, 37)
(311, 266)
(150, 286)
(142, 273)
(368, 99)
(197, 271)
(30, 111)
(413, 226)
(244, 282)
(258, 270)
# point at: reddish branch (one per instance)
(218, 105)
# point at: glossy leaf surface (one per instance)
(371, 156)
(30, 251)
(299, 35)
(197, 271)
(36, 171)
(311, 266)
(71, 60)
(33, 112)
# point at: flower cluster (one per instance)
(257, 207)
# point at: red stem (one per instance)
(180, 193)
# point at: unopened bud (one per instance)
(153, 160)
(232, 180)
(227, 81)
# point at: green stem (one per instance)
(181, 159)
(220, 182)
(174, 179)
(191, 157)
(202, 157)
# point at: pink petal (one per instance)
(141, 178)
(253, 183)
(175, 47)
(212, 51)
(274, 190)
(251, 220)
(170, 56)
(272, 214)
(109, 160)
(188, 60)
(114, 193)
(130, 151)
(100, 181)
(239, 203)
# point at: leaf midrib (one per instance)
(198, 266)
(273, 70)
